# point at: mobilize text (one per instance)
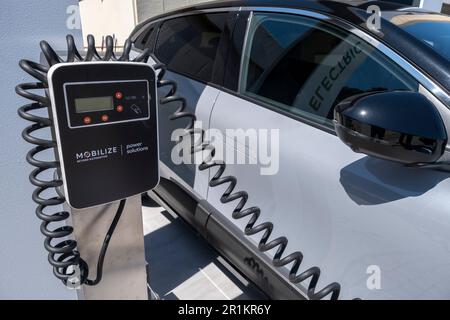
(92, 154)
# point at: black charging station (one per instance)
(105, 124)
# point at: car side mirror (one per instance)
(399, 126)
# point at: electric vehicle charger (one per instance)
(64, 254)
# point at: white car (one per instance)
(371, 221)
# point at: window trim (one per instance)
(271, 107)
(244, 50)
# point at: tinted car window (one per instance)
(188, 45)
(144, 40)
(305, 67)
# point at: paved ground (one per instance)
(183, 266)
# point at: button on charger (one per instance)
(87, 120)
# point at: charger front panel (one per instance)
(105, 125)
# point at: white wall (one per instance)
(24, 270)
(435, 5)
(113, 17)
(149, 8)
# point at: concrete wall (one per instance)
(149, 8)
(100, 18)
(24, 270)
(435, 5)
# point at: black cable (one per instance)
(62, 251)
(101, 256)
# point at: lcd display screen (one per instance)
(94, 104)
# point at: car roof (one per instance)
(355, 13)
(300, 4)
(337, 7)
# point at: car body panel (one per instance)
(346, 212)
(200, 99)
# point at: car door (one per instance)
(188, 46)
(378, 228)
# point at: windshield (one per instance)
(431, 29)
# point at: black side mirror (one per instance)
(399, 126)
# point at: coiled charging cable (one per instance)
(253, 226)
